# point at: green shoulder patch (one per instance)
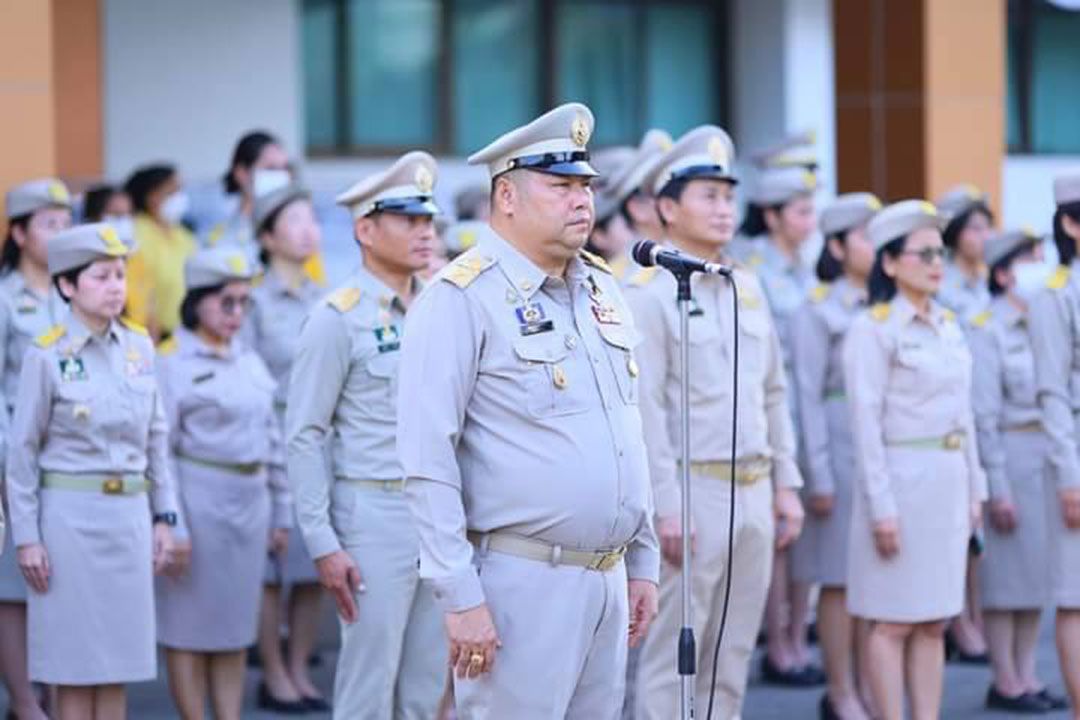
(643, 276)
(880, 312)
(344, 299)
(466, 268)
(1059, 279)
(596, 261)
(49, 338)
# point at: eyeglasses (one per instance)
(928, 255)
(230, 305)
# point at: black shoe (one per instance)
(826, 711)
(268, 702)
(316, 704)
(955, 654)
(1022, 704)
(812, 634)
(813, 675)
(1051, 700)
(794, 678)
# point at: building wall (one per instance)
(181, 83)
(77, 80)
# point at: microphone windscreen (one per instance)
(643, 253)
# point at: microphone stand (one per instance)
(687, 644)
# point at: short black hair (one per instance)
(246, 154)
(754, 223)
(189, 315)
(97, 199)
(72, 276)
(951, 234)
(1066, 246)
(1004, 263)
(829, 267)
(882, 288)
(146, 180)
(10, 255)
(674, 190)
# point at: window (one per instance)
(1043, 111)
(450, 75)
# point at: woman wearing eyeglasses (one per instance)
(226, 447)
(907, 371)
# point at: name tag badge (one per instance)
(532, 320)
(72, 369)
(388, 338)
(198, 379)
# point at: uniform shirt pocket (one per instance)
(754, 329)
(620, 342)
(553, 381)
(381, 384)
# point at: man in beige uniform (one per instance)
(695, 186)
(520, 435)
(350, 508)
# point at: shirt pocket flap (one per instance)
(543, 348)
(383, 365)
(754, 323)
(621, 336)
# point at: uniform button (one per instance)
(571, 342)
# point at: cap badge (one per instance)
(664, 144)
(809, 180)
(873, 203)
(58, 193)
(579, 130)
(928, 208)
(718, 152)
(237, 264)
(113, 245)
(424, 180)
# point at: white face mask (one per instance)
(123, 224)
(267, 181)
(175, 207)
(1030, 278)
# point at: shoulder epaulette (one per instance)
(466, 268)
(49, 338)
(880, 311)
(215, 234)
(134, 326)
(168, 346)
(1059, 279)
(596, 261)
(981, 319)
(820, 292)
(949, 315)
(258, 280)
(643, 276)
(344, 299)
(754, 260)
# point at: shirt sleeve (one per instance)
(785, 469)
(170, 407)
(810, 344)
(442, 343)
(280, 493)
(660, 445)
(159, 464)
(319, 371)
(866, 373)
(987, 402)
(5, 416)
(29, 425)
(1050, 326)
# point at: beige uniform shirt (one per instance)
(818, 333)
(86, 404)
(219, 406)
(1054, 322)
(764, 422)
(519, 414)
(964, 296)
(1003, 390)
(908, 378)
(343, 392)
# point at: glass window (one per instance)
(680, 70)
(320, 73)
(496, 65)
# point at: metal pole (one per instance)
(687, 645)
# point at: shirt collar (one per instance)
(774, 258)
(192, 344)
(525, 275)
(850, 295)
(1006, 312)
(371, 285)
(80, 335)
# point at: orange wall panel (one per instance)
(78, 96)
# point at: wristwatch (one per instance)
(169, 518)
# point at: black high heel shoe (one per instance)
(268, 702)
(826, 711)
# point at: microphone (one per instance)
(647, 253)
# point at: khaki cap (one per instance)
(847, 212)
(632, 175)
(901, 219)
(961, 198)
(704, 152)
(796, 150)
(553, 143)
(269, 203)
(777, 186)
(214, 266)
(34, 195)
(1003, 242)
(83, 244)
(609, 162)
(404, 188)
(1067, 187)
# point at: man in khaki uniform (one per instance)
(521, 438)
(695, 186)
(350, 508)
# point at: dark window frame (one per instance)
(547, 68)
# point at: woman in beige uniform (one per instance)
(1054, 324)
(289, 236)
(88, 441)
(36, 211)
(818, 340)
(907, 371)
(226, 445)
(1013, 448)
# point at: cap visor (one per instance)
(580, 168)
(412, 207)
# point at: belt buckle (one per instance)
(608, 561)
(113, 486)
(954, 440)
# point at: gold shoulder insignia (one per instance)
(168, 346)
(949, 315)
(344, 299)
(596, 261)
(820, 292)
(981, 319)
(643, 276)
(215, 235)
(50, 337)
(880, 311)
(466, 268)
(134, 326)
(754, 260)
(1059, 279)
(258, 279)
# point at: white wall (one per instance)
(1027, 189)
(185, 78)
